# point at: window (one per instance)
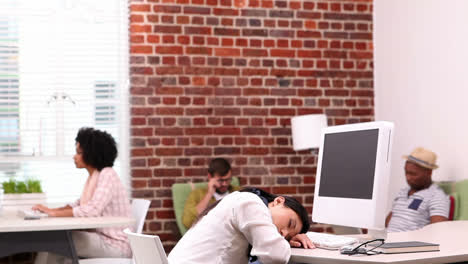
(63, 65)
(9, 86)
(105, 96)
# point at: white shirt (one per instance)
(224, 234)
(415, 211)
(218, 196)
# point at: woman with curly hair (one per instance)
(103, 195)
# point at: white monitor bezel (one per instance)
(363, 213)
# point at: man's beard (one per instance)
(218, 192)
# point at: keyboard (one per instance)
(330, 241)
(30, 214)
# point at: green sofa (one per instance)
(459, 191)
(180, 192)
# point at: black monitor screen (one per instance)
(348, 164)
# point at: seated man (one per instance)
(422, 202)
(219, 185)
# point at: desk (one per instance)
(451, 235)
(52, 234)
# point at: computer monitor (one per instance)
(353, 175)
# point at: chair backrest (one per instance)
(452, 207)
(448, 187)
(146, 249)
(180, 192)
(139, 210)
(460, 193)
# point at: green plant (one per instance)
(34, 186)
(9, 186)
(29, 186)
(21, 187)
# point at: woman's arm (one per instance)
(253, 219)
(301, 240)
(65, 211)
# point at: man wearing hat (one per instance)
(422, 202)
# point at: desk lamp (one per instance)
(307, 130)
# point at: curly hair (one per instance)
(99, 147)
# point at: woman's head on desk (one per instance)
(95, 149)
(288, 215)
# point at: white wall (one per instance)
(421, 81)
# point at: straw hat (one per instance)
(423, 157)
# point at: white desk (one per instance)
(51, 234)
(451, 235)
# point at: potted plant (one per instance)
(23, 193)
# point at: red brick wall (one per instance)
(222, 78)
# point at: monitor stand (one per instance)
(377, 234)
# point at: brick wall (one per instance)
(222, 78)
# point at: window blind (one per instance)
(63, 66)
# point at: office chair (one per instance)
(180, 193)
(139, 209)
(146, 249)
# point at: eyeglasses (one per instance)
(220, 181)
(360, 249)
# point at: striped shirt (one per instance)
(109, 199)
(414, 211)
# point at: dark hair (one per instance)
(219, 166)
(99, 147)
(289, 202)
